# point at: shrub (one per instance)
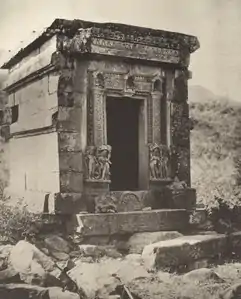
(16, 222)
(224, 215)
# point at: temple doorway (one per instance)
(123, 136)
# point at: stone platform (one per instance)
(124, 223)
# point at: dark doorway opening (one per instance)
(123, 136)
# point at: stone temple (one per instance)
(99, 110)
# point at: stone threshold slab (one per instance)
(132, 222)
(189, 251)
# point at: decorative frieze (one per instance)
(132, 50)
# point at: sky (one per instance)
(216, 23)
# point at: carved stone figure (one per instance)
(91, 163)
(164, 165)
(104, 154)
(159, 162)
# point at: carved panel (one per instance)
(129, 201)
(114, 81)
(159, 162)
(97, 163)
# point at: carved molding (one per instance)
(132, 50)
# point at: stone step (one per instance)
(122, 223)
(190, 252)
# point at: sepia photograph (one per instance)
(120, 149)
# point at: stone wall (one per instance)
(32, 139)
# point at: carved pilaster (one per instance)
(99, 117)
(180, 127)
(99, 111)
(156, 116)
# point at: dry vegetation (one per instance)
(216, 146)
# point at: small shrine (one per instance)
(98, 109)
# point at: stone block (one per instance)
(71, 181)
(17, 291)
(71, 161)
(34, 63)
(69, 203)
(138, 241)
(183, 251)
(184, 199)
(69, 141)
(133, 222)
(69, 118)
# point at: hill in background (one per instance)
(215, 145)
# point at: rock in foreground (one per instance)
(186, 252)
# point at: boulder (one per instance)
(134, 258)
(9, 275)
(202, 275)
(57, 293)
(233, 292)
(60, 256)
(17, 291)
(138, 241)
(24, 291)
(56, 243)
(96, 251)
(102, 278)
(31, 264)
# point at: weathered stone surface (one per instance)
(99, 278)
(24, 291)
(61, 256)
(57, 293)
(69, 203)
(57, 92)
(98, 251)
(138, 241)
(17, 291)
(183, 251)
(33, 265)
(233, 292)
(57, 243)
(133, 222)
(203, 275)
(9, 275)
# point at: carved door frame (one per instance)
(126, 85)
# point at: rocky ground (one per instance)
(54, 268)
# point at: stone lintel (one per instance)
(79, 34)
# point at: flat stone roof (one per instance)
(110, 31)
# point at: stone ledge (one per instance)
(132, 222)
